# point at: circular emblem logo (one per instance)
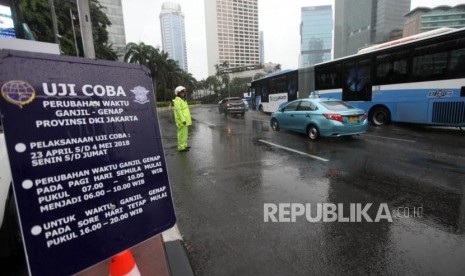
(18, 92)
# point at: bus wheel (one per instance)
(275, 125)
(380, 116)
(312, 132)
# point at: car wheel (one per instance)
(312, 132)
(260, 108)
(274, 125)
(380, 116)
(242, 114)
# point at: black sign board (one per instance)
(86, 156)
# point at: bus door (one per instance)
(357, 81)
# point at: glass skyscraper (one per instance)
(116, 35)
(316, 34)
(362, 23)
(173, 33)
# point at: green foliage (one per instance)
(239, 86)
(36, 13)
(210, 99)
(164, 104)
(166, 74)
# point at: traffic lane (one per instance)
(406, 171)
(333, 170)
(392, 158)
(210, 116)
(219, 199)
(440, 152)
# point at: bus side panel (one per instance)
(444, 110)
(404, 103)
(411, 112)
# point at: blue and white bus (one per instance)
(418, 79)
(270, 92)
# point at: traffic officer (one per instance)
(182, 117)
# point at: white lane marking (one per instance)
(295, 151)
(210, 124)
(397, 139)
(207, 123)
(172, 234)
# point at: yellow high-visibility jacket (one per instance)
(181, 112)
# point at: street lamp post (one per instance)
(54, 21)
(74, 32)
(229, 86)
(86, 28)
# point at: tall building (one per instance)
(116, 34)
(425, 19)
(232, 33)
(173, 33)
(365, 22)
(316, 35)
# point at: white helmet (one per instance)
(179, 89)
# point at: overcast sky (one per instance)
(278, 19)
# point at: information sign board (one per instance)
(86, 156)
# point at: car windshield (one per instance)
(336, 105)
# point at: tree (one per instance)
(165, 71)
(144, 55)
(222, 72)
(188, 80)
(239, 86)
(36, 13)
(213, 84)
(100, 22)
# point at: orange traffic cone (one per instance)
(123, 264)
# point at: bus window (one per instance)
(429, 62)
(292, 87)
(457, 62)
(391, 68)
(281, 85)
(264, 93)
(357, 83)
(328, 78)
(272, 87)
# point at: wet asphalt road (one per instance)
(221, 185)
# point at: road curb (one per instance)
(176, 254)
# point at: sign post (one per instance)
(86, 156)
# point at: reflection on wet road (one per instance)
(221, 185)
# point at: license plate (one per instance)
(353, 119)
